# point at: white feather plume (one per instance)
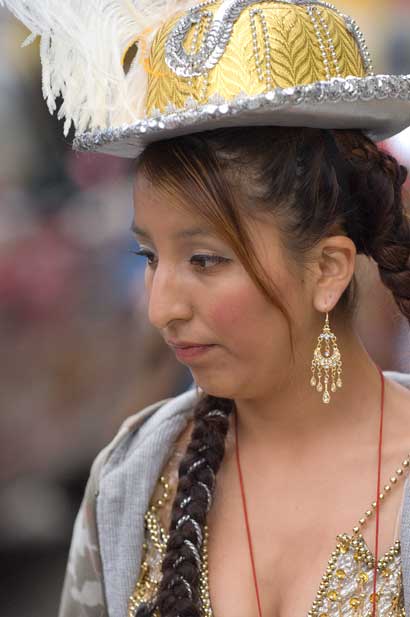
(82, 48)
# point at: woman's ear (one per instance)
(335, 261)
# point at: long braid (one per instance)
(178, 591)
(376, 217)
(393, 255)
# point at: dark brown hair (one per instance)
(314, 183)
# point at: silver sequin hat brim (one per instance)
(379, 105)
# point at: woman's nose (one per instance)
(167, 298)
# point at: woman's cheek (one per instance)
(233, 310)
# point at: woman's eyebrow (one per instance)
(183, 233)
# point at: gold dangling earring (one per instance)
(327, 362)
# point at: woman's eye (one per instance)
(213, 259)
(143, 253)
(199, 260)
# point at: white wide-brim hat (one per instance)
(133, 73)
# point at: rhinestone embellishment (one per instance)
(217, 38)
(328, 362)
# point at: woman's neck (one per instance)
(295, 413)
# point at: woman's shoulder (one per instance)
(397, 406)
(120, 485)
(397, 411)
(401, 378)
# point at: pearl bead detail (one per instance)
(316, 17)
(253, 14)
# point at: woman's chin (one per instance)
(215, 386)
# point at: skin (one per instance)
(309, 469)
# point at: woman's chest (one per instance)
(300, 576)
(303, 553)
(301, 567)
(301, 571)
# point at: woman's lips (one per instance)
(187, 353)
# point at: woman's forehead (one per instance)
(160, 214)
(156, 207)
(154, 215)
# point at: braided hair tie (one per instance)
(216, 412)
(208, 495)
(194, 551)
(200, 462)
(185, 502)
(185, 519)
(178, 578)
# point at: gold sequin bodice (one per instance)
(346, 588)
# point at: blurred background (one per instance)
(77, 353)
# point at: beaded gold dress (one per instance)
(346, 588)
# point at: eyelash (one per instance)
(214, 259)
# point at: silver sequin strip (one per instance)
(207, 16)
(377, 87)
(217, 38)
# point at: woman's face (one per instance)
(198, 291)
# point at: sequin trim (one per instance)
(378, 87)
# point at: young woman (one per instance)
(277, 486)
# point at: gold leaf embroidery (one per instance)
(348, 54)
(296, 58)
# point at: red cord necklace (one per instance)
(245, 510)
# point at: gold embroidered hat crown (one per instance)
(133, 72)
